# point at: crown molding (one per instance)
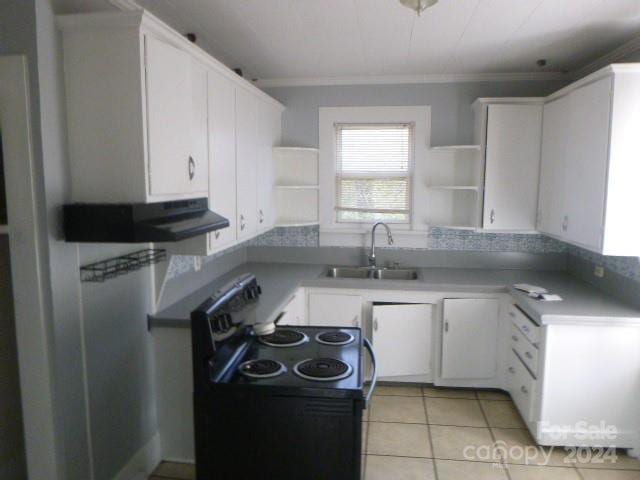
(612, 57)
(410, 79)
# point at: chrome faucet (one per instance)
(372, 253)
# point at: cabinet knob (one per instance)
(525, 328)
(446, 326)
(512, 314)
(524, 389)
(216, 234)
(375, 324)
(261, 215)
(192, 168)
(528, 355)
(242, 224)
(512, 370)
(565, 223)
(514, 338)
(492, 216)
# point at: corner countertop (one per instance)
(581, 304)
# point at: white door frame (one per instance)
(33, 330)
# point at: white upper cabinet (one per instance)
(586, 163)
(246, 163)
(552, 167)
(198, 163)
(169, 117)
(222, 158)
(509, 132)
(269, 130)
(512, 166)
(590, 171)
(138, 116)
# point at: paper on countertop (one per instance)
(525, 287)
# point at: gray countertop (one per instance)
(581, 302)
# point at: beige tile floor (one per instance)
(413, 433)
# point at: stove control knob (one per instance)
(222, 322)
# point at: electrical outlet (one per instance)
(599, 271)
(197, 264)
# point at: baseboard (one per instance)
(143, 462)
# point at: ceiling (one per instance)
(294, 39)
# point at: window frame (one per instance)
(409, 235)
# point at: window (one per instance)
(373, 172)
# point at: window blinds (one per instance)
(373, 179)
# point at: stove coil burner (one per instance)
(261, 368)
(334, 337)
(284, 338)
(323, 369)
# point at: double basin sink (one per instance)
(373, 273)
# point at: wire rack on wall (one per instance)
(114, 267)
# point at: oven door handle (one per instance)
(374, 376)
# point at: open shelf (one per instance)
(451, 208)
(297, 187)
(295, 149)
(445, 148)
(454, 187)
(289, 222)
(455, 227)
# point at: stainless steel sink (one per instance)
(349, 272)
(395, 274)
(373, 273)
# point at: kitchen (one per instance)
(236, 175)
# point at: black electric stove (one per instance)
(282, 406)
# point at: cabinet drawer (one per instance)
(525, 324)
(521, 385)
(525, 349)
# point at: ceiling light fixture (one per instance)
(418, 6)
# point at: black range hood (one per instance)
(140, 222)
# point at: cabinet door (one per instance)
(334, 310)
(402, 339)
(587, 159)
(266, 168)
(512, 167)
(246, 123)
(222, 157)
(469, 338)
(198, 170)
(293, 313)
(551, 210)
(169, 116)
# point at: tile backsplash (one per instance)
(628, 267)
(438, 239)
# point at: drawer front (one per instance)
(521, 385)
(526, 326)
(527, 352)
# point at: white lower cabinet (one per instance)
(402, 338)
(293, 313)
(469, 338)
(335, 310)
(521, 385)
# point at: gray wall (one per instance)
(451, 115)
